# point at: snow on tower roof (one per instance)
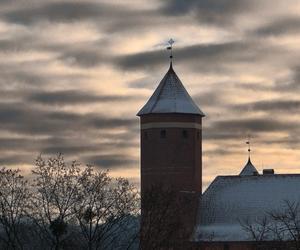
(232, 199)
(249, 169)
(170, 97)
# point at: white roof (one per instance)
(231, 199)
(249, 169)
(170, 97)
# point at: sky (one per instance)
(73, 75)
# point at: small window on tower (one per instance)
(163, 134)
(146, 135)
(198, 135)
(226, 247)
(185, 134)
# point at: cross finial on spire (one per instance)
(249, 146)
(170, 47)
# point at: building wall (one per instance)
(232, 246)
(176, 159)
(225, 246)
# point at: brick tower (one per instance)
(171, 142)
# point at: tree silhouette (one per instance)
(162, 224)
(278, 229)
(14, 202)
(67, 206)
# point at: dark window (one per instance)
(146, 135)
(226, 247)
(185, 134)
(198, 135)
(163, 134)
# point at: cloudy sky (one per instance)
(73, 75)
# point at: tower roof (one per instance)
(249, 169)
(170, 97)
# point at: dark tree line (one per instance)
(163, 224)
(67, 206)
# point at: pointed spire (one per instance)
(249, 168)
(170, 96)
(171, 66)
(249, 146)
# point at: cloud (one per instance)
(271, 106)
(143, 83)
(27, 80)
(289, 83)
(188, 54)
(210, 134)
(111, 18)
(63, 11)
(220, 152)
(282, 26)
(253, 125)
(211, 98)
(69, 149)
(111, 161)
(73, 97)
(238, 128)
(25, 119)
(36, 131)
(112, 122)
(19, 144)
(83, 57)
(216, 12)
(15, 159)
(18, 43)
(201, 57)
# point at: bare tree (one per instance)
(278, 229)
(163, 225)
(56, 187)
(67, 207)
(258, 229)
(94, 188)
(105, 208)
(286, 224)
(71, 199)
(14, 200)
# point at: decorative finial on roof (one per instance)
(249, 168)
(170, 47)
(249, 146)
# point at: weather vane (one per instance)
(170, 47)
(249, 145)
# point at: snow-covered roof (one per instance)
(170, 97)
(232, 199)
(249, 169)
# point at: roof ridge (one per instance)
(257, 176)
